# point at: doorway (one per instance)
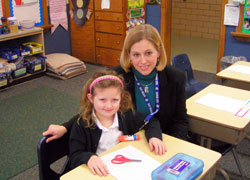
(195, 31)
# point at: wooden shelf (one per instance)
(33, 35)
(245, 37)
(20, 34)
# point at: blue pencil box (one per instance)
(180, 167)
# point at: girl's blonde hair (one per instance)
(86, 107)
(138, 33)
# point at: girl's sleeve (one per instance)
(78, 147)
(68, 125)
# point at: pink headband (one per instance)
(102, 78)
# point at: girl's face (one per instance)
(143, 56)
(106, 102)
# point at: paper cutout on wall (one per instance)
(80, 11)
(23, 12)
(58, 14)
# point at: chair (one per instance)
(48, 153)
(182, 63)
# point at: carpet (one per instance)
(23, 118)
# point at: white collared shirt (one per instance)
(110, 136)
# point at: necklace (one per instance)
(146, 86)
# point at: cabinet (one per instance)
(110, 31)
(33, 35)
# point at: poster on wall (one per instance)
(246, 17)
(27, 10)
(135, 13)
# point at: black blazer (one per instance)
(172, 114)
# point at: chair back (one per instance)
(50, 152)
(182, 63)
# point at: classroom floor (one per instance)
(201, 52)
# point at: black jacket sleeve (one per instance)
(68, 125)
(179, 127)
(82, 144)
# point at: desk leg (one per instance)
(224, 173)
(206, 142)
(238, 162)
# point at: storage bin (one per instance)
(4, 79)
(27, 24)
(23, 51)
(9, 53)
(35, 63)
(180, 167)
(21, 70)
(35, 48)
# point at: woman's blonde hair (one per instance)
(86, 107)
(137, 34)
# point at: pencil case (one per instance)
(180, 167)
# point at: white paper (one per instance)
(240, 69)
(221, 102)
(131, 170)
(105, 4)
(232, 14)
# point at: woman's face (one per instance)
(143, 56)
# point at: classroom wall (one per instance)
(234, 47)
(59, 41)
(196, 18)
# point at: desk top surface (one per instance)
(216, 116)
(233, 75)
(174, 146)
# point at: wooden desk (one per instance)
(235, 79)
(174, 146)
(214, 123)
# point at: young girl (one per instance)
(106, 112)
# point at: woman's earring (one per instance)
(158, 61)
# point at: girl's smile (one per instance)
(106, 102)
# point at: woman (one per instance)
(156, 89)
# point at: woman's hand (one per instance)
(56, 131)
(96, 166)
(157, 145)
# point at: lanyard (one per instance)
(157, 99)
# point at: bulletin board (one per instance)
(23, 9)
(238, 34)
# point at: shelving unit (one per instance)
(33, 35)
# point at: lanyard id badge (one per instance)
(157, 99)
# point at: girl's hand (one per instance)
(56, 131)
(157, 145)
(96, 166)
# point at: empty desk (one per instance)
(237, 75)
